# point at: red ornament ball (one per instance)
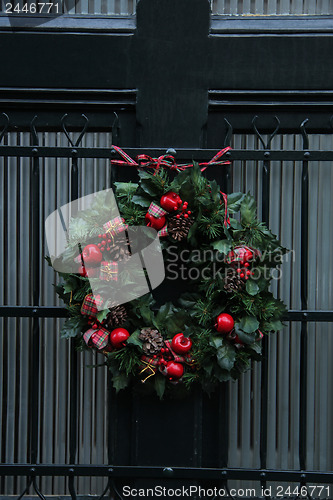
(170, 201)
(174, 370)
(224, 323)
(155, 222)
(92, 255)
(118, 337)
(181, 344)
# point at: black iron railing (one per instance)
(74, 152)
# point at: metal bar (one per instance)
(304, 300)
(61, 312)
(34, 367)
(182, 154)
(73, 429)
(161, 472)
(224, 425)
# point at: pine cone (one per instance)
(152, 340)
(179, 228)
(119, 248)
(233, 282)
(116, 317)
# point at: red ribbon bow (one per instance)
(170, 162)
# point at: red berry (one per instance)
(239, 270)
(99, 245)
(248, 272)
(100, 236)
(95, 326)
(189, 212)
(162, 350)
(242, 275)
(185, 215)
(154, 356)
(185, 203)
(103, 243)
(102, 249)
(108, 249)
(178, 216)
(104, 235)
(109, 241)
(170, 378)
(247, 264)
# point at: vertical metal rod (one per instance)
(35, 248)
(264, 364)
(73, 429)
(304, 298)
(224, 425)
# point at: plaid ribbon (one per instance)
(155, 210)
(91, 304)
(170, 162)
(115, 226)
(187, 358)
(108, 271)
(97, 338)
(163, 232)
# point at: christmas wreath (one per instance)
(213, 329)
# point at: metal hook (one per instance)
(171, 151)
(273, 134)
(26, 489)
(5, 128)
(305, 134)
(83, 131)
(228, 136)
(34, 131)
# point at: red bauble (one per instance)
(174, 370)
(224, 323)
(118, 337)
(92, 255)
(181, 344)
(155, 222)
(170, 201)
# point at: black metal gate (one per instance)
(174, 81)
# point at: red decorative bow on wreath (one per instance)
(170, 162)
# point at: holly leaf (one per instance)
(247, 338)
(120, 381)
(216, 341)
(140, 200)
(235, 224)
(273, 325)
(234, 201)
(159, 383)
(226, 357)
(249, 324)
(163, 313)
(221, 375)
(248, 210)
(72, 327)
(222, 246)
(101, 315)
(251, 287)
(134, 339)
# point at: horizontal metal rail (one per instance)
(181, 154)
(166, 472)
(61, 312)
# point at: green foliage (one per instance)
(217, 358)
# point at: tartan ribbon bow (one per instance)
(98, 338)
(157, 211)
(170, 162)
(115, 226)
